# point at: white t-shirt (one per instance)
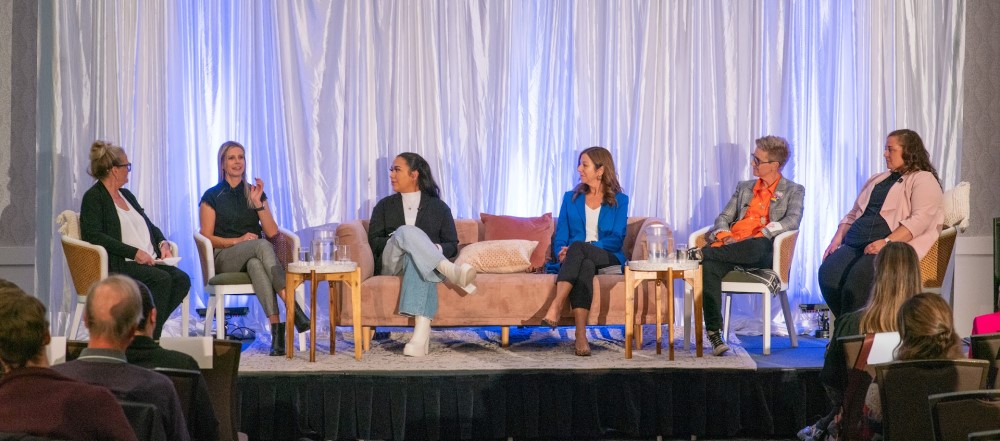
(592, 215)
(135, 232)
(411, 204)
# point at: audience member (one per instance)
(112, 314)
(37, 400)
(897, 278)
(926, 332)
(146, 352)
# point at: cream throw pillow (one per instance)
(956, 206)
(498, 256)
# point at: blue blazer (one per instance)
(611, 223)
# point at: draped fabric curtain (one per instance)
(499, 97)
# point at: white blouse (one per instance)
(592, 215)
(135, 232)
(411, 204)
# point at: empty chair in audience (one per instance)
(957, 414)
(29, 389)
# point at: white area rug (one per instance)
(478, 349)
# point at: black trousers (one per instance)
(845, 279)
(755, 252)
(168, 284)
(579, 268)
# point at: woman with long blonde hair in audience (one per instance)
(897, 278)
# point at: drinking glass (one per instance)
(343, 253)
(304, 254)
(682, 252)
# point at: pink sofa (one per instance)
(501, 299)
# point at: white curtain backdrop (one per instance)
(499, 96)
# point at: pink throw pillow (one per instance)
(538, 229)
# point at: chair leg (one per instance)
(300, 298)
(725, 316)
(209, 313)
(74, 325)
(185, 315)
(220, 316)
(504, 336)
(766, 305)
(688, 308)
(789, 323)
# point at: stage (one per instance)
(469, 387)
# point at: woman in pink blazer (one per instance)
(901, 204)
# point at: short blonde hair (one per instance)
(776, 148)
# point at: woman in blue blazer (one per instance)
(589, 236)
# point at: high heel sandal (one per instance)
(549, 323)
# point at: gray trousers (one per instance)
(256, 258)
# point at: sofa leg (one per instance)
(366, 338)
(504, 336)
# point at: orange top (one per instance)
(756, 217)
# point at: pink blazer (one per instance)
(914, 204)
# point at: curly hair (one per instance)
(926, 329)
(601, 157)
(915, 156)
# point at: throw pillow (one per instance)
(538, 229)
(498, 256)
(956, 206)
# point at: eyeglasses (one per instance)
(128, 166)
(757, 161)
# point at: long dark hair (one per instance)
(425, 180)
(601, 157)
(915, 156)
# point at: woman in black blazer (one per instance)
(111, 217)
(412, 233)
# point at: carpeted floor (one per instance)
(478, 349)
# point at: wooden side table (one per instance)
(300, 272)
(666, 273)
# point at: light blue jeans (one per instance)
(411, 253)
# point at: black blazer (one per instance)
(433, 217)
(99, 225)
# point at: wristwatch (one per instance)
(887, 240)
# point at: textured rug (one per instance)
(478, 349)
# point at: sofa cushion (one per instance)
(498, 256)
(355, 235)
(537, 229)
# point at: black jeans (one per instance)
(755, 252)
(169, 286)
(579, 268)
(845, 279)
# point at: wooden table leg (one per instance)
(629, 311)
(291, 282)
(312, 316)
(670, 313)
(356, 306)
(334, 313)
(698, 312)
(659, 316)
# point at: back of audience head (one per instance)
(148, 320)
(24, 330)
(897, 278)
(113, 309)
(926, 329)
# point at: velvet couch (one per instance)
(502, 300)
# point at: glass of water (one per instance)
(682, 253)
(304, 254)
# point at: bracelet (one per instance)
(260, 208)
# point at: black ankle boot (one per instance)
(301, 319)
(277, 339)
